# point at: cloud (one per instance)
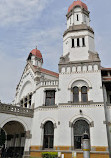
(13, 57)
(20, 11)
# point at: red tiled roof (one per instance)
(105, 68)
(49, 72)
(37, 53)
(107, 79)
(77, 3)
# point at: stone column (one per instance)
(42, 136)
(27, 145)
(80, 99)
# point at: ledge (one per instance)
(70, 151)
(78, 28)
(82, 103)
(15, 110)
(47, 107)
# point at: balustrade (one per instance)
(15, 110)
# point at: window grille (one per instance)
(50, 98)
(48, 135)
(80, 127)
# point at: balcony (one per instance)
(15, 110)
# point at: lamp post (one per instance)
(86, 145)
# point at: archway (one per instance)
(79, 128)
(15, 140)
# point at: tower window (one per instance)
(72, 42)
(78, 43)
(70, 20)
(84, 18)
(83, 41)
(75, 94)
(77, 17)
(84, 96)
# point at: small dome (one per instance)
(37, 53)
(77, 3)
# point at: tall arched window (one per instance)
(75, 94)
(48, 135)
(84, 96)
(80, 127)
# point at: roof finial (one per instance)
(36, 46)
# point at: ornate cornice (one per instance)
(76, 28)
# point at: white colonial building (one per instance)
(58, 108)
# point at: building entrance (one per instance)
(12, 140)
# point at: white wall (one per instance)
(95, 93)
(78, 53)
(65, 114)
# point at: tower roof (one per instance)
(37, 53)
(77, 3)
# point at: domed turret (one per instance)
(77, 3)
(78, 39)
(35, 57)
(77, 14)
(36, 53)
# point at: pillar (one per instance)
(27, 145)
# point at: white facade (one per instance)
(79, 67)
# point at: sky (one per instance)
(25, 24)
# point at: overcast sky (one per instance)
(27, 23)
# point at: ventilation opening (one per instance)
(78, 43)
(77, 17)
(72, 42)
(83, 42)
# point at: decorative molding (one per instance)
(28, 135)
(26, 154)
(75, 64)
(82, 103)
(92, 124)
(47, 107)
(64, 59)
(55, 126)
(75, 28)
(93, 56)
(42, 125)
(107, 123)
(58, 122)
(15, 110)
(70, 124)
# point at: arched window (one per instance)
(48, 135)
(84, 97)
(75, 94)
(80, 127)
